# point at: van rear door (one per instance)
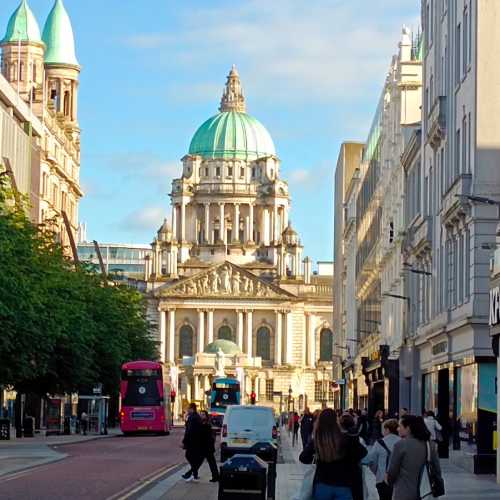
(250, 424)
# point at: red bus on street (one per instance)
(145, 398)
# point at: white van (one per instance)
(246, 425)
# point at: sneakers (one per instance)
(189, 479)
(214, 480)
(195, 479)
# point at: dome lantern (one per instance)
(233, 98)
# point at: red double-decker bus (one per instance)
(145, 398)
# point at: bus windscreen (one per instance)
(223, 396)
(142, 391)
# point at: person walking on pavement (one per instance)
(296, 426)
(337, 459)
(192, 443)
(208, 445)
(363, 426)
(408, 458)
(433, 426)
(84, 419)
(306, 427)
(379, 455)
(378, 420)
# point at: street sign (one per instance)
(340, 381)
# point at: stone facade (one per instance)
(229, 266)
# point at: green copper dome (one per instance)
(232, 134)
(226, 346)
(58, 37)
(22, 26)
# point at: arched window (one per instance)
(264, 343)
(225, 333)
(325, 345)
(186, 341)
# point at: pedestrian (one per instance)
(192, 443)
(363, 426)
(337, 457)
(378, 420)
(408, 458)
(347, 424)
(84, 419)
(296, 426)
(208, 445)
(433, 426)
(403, 412)
(306, 426)
(379, 455)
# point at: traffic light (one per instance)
(252, 398)
(172, 396)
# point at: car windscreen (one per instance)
(142, 391)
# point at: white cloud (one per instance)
(307, 51)
(299, 176)
(144, 219)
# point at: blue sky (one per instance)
(153, 71)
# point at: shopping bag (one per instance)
(306, 488)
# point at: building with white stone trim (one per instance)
(228, 271)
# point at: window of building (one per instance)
(460, 274)
(318, 390)
(54, 195)
(206, 171)
(469, 146)
(270, 390)
(458, 147)
(325, 345)
(186, 335)
(229, 171)
(264, 343)
(21, 71)
(225, 333)
(464, 144)
(253, 172)
(469, 56)
(458, 45)
(217, 171)
(467, 265)
(242, 172)
(465, 50)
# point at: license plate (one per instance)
(240, 440)
(142, 428)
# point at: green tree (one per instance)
(61, 328)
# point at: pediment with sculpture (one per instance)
(225, 280)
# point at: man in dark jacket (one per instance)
(192, 443)
(306, 427)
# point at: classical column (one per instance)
(188, 389)
(163, 335)
(250, 222)
(240, 330)
(311, 341)
(207, 223)
(196, 387)
(288, 338)
(222, 230)
(285, 217)
(183, 221)
(249, 333)
(278, 337)
(174, 221)
(201, 330)
(236, 222)
(257, 388)
(171, 335)
(263, 236)
(276, 236)
(210, 326)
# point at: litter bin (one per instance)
(4, 429)
(29, 427)
(243, 477)
(266, 451)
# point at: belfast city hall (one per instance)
(227, 282)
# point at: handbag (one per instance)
(307, 486)
(431, 482)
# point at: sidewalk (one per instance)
(19, 454)
(459, 484)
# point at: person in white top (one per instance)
(432, 425)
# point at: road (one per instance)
(101, 469)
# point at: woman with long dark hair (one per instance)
(337, 459)
(408, 458)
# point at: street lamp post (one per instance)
(323, 386)
(289, 398)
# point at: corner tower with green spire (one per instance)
(23, 56)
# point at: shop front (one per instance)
(381, 376)
(495, 343)
(461, 391)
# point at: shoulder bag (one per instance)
(431, 483)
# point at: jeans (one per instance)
(324, 491)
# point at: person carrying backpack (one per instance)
(379, 456)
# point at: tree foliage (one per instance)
(61, 328)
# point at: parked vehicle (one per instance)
(144, 396)
(246, 428)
